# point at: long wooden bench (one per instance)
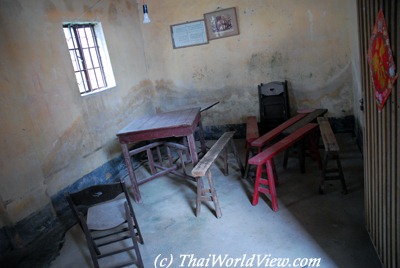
(265, 158)
(257, 144)
(331, 153)
(311, 117)
(202, 169)
(265, 139)
(252, 133)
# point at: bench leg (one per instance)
(247, 166)
(285, 158)
(226, 171)
(271, 180)
(299, 148)
(214, 197)
(341, 175)
(302, 155)
(209, 194)
(200, 190)
(313, 141)
(236, 154)
(323, 173)
(257, 185)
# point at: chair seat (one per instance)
(106, 215)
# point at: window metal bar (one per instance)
(78, 57)
(80, 48)
(97, 49)
(91, 82)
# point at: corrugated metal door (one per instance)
(381, 139)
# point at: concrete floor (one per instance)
(307, 225)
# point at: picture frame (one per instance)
(221, 23)
(192, 33)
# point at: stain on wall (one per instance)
(51, 136)
(306, 44)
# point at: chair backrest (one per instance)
(274, 105)
(106, 216)
(80, 201)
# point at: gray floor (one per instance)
(328, 227)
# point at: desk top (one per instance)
(162, 125)
(304, 121)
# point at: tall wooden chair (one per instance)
(106, 216)
(274, 105)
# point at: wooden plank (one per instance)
(261, 158)
(251, 129)
(204, 164)
(328, 137)
(266, 138)
(308, 119)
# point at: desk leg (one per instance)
(192, 149)
(202, 140)
(128, 162)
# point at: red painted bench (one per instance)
(266, 158)
(255, 143)
(252, 134)
(266, 138)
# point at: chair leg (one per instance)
(94, 251)
(133, 236)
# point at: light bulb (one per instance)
(146, 18)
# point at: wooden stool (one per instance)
(331, 153)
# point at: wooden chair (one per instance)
(274, 105)
(106, 216)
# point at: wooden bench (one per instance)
(259, 143)
(202, 169)
(311, 117)
(265, 139)
(252, 133)
(266, 158)
(331, 153)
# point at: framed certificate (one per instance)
(188, 34)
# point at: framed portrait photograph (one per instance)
(188, 34)
(221, 23)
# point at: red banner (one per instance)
(380, 59)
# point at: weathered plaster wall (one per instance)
(305, 42)
(50, 135)
(356, 73)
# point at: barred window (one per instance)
(89, 56)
